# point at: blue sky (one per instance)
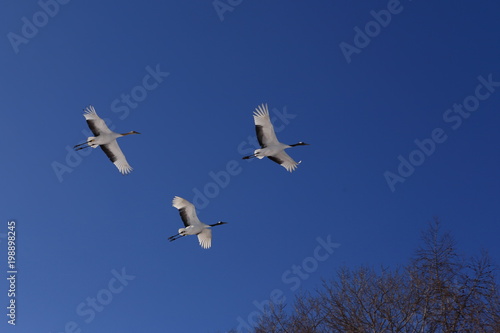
(86, 232)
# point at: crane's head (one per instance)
(218, 223)
(131, 132)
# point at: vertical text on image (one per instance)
(11, 272)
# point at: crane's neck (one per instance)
(299, 144)
(218, 223)
(128, 133)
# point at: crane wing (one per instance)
(187, 211)
(115, 154)
(264, 127)
(96, 124)
(205, 238)
(285, 161)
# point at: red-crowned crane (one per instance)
(193, 226)
(106, 139)
(270, 146)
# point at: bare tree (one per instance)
(454, 294)
(438, 291)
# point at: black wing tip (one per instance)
(260, 135)
(184, 216)
(275, 159)
(108, 153)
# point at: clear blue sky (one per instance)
(361, 99)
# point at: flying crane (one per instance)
(106, 139)
(270, 146)
(193, 226)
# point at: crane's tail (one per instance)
(90, 138)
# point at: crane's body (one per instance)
(193, 226)
(106, 139)
(270, 146)
(103, 139)
(271, 150)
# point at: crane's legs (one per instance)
(85, 143)
(249, 156)
(81, 144)
(79, 148)
(174, 237)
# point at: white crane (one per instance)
(106, 139)
(193, 226)
(271, 147)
